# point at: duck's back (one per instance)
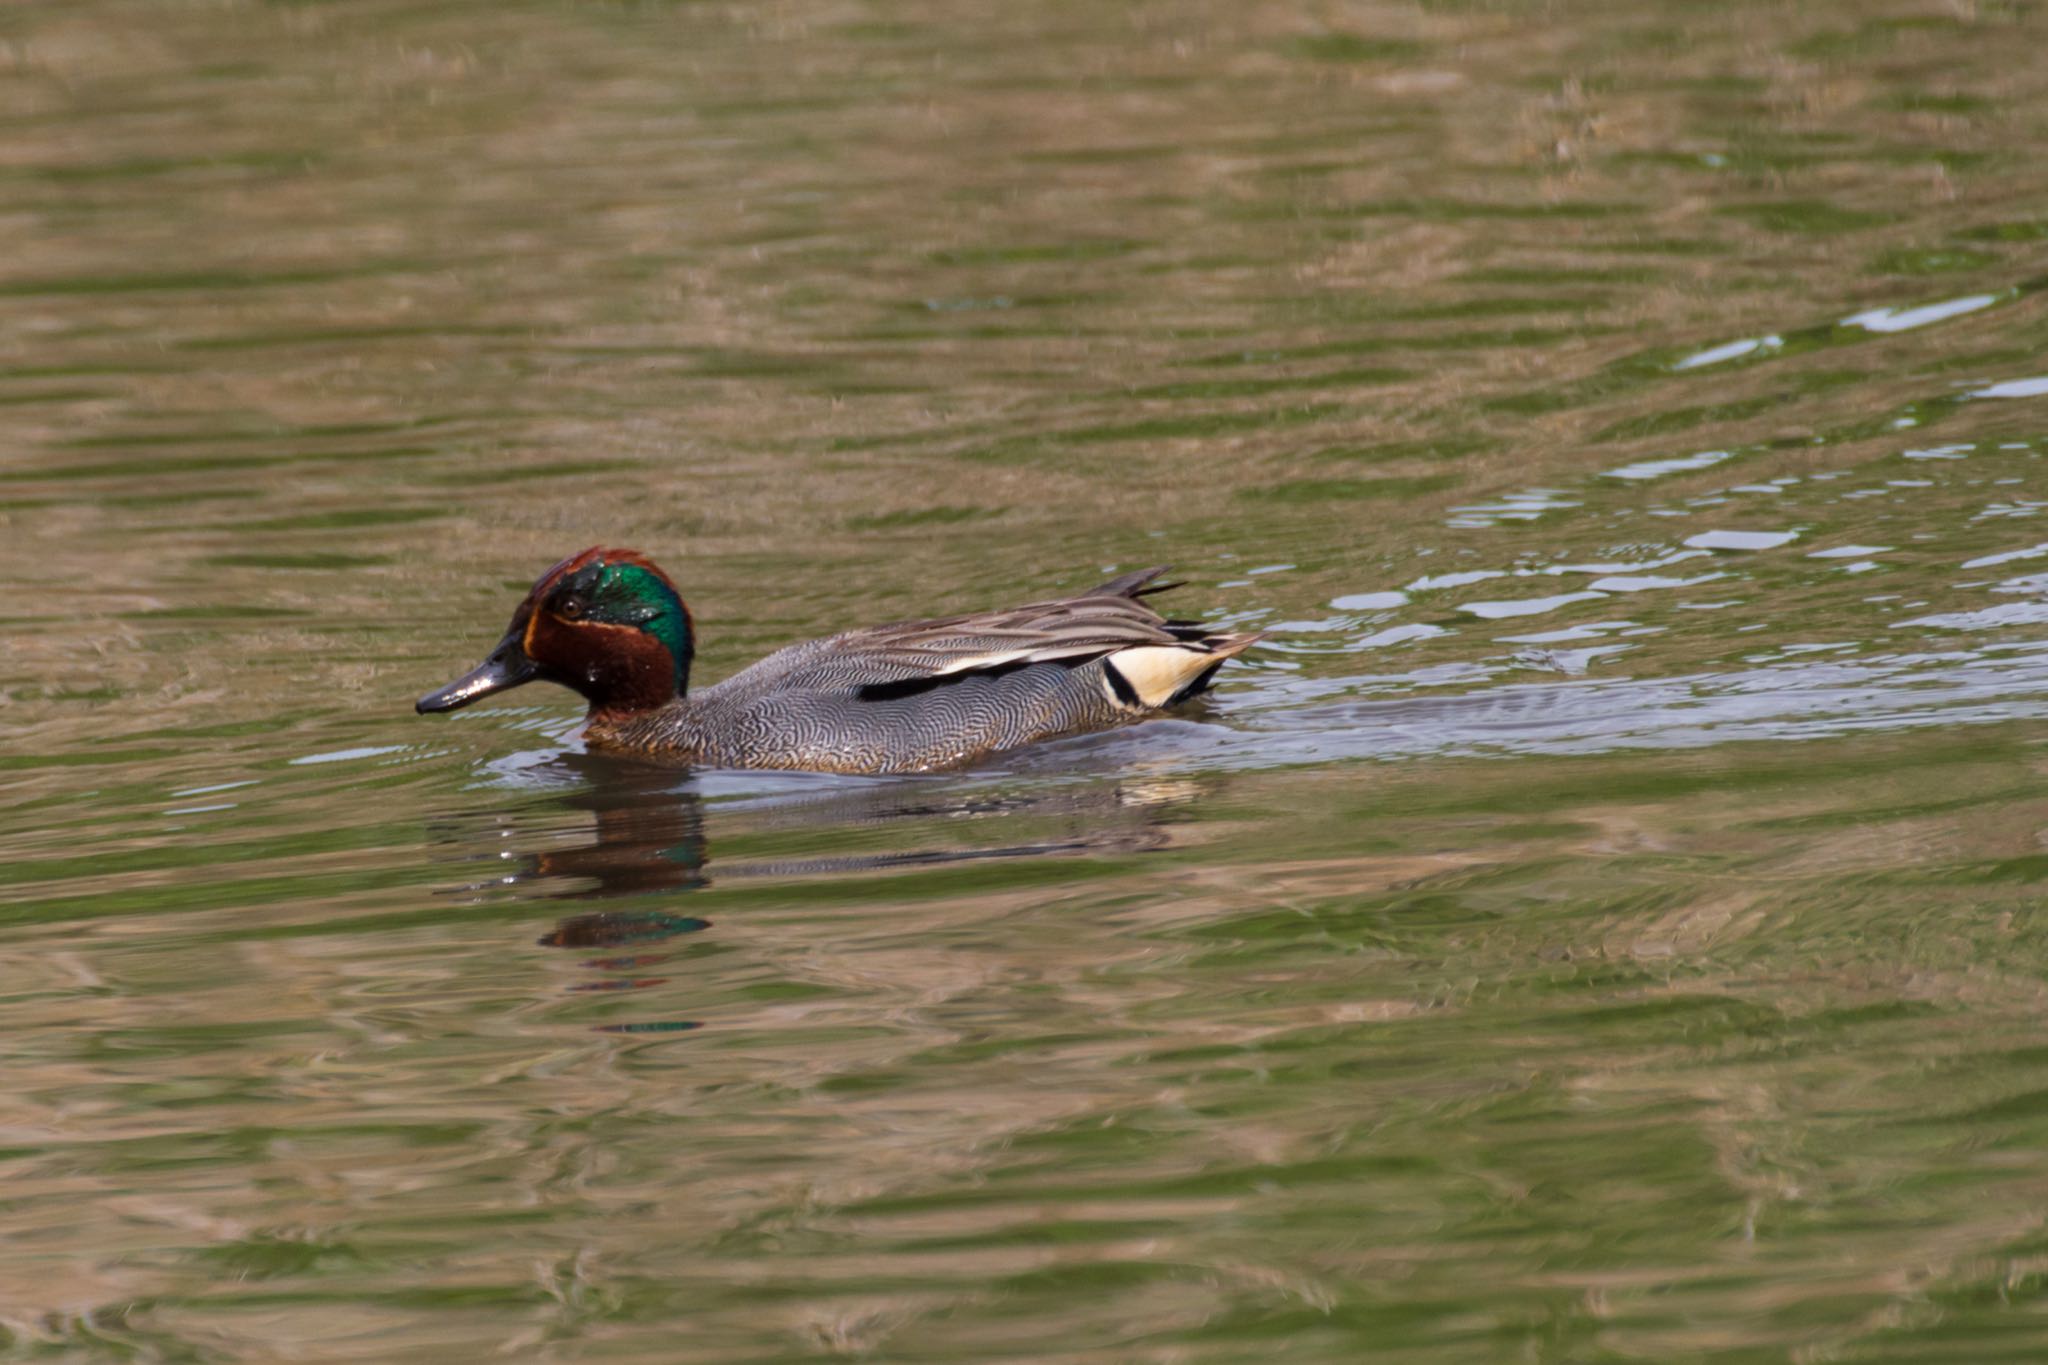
(919, 695)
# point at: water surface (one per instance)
(1603, 923)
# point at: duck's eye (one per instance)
(570, 608)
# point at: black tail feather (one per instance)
(1135, 584)
(1196, 685)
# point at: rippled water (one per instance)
(1605, 922)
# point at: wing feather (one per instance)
(1071, 630)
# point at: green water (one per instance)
(1605, 922)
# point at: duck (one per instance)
(906, 697)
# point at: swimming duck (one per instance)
(907, 697)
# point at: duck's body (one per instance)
(907, 697)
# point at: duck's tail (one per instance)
(1135, 584)
(1155, 677)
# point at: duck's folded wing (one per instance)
(919, 653)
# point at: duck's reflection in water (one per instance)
(646, 837)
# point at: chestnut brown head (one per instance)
(607, 623)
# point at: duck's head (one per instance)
(607, 623)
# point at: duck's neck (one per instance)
(670, 725)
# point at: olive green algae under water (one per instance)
(1604, 922)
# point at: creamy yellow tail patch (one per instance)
(1153, 673)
